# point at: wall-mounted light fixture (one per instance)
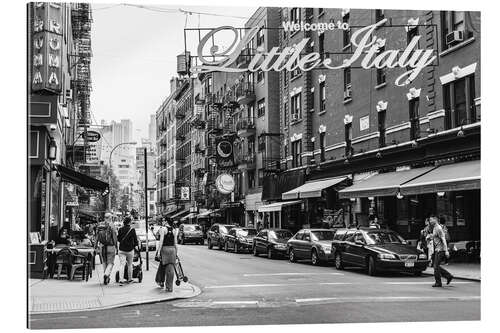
(399, 196)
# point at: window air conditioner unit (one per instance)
(454, 37)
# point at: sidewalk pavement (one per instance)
(53, 296)
(468, 271)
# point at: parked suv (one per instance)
(240, 239)
(190, 233)
(217, 235)
(271, 242)
(314, 244)
(376, 250)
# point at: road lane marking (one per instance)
(387, 298)
(263, 285)
(425, 282)
(288, 274)
(234, 302)
(58, 318)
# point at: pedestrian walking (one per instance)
(127, 239)
(442, 223)
(167, 253)
(440, 252)
(107, 240)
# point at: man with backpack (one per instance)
(107, 239)
(128, 242)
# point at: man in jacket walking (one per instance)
(127, 239)
(440, 252)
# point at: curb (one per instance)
(455, 277)
(196, 292)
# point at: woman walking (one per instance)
(167, 251)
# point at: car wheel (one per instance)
(235, 248)
(270, 253)
(291, 255)
(220, 245)
(372, 269)
(338, 262)
(314, 258)
(210, 244)
(226, 247)
(255, 252)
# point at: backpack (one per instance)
(105, 235)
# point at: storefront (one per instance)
(252, 204)
(402, 200)
(320, 201)
(282, 215)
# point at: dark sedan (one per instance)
(271, 242)
(313, 244)
(240, 239)
(376, 250)
(217, 235)
(190, 233)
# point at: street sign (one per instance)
(92, 136)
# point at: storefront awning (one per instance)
(188, 216)
(450, 177)
(180, 214)
(382, 184)
(276, 206)
(207, 213)
(311, 189)
(78, 178)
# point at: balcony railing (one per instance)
(199, 99)
(245, 92)
(180, 137)
(213, 125)
(271, 164)
(246, 160)
(179, 114)
(245, 126)
(230, 99)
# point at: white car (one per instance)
(141, 234)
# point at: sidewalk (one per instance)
(52, 295)
(469, 271)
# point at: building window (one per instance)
(296, 153)
(414, 119)
(348, 139)
(381, 71)
(295, 71)
(381, 128)
(261, 107)
(379, 15)
(321, 11)
(321, 46)
(453, 28)
(251, 111)
(459, 104)
(347, 84)
(260, 37)
(251, 178)
(260, 75)
(261, 177)
(296, 106)
(322, 146)
(295, 15)
(412, 33)
(346, 34)
(322, 96)
(262, 143)
(250, 78)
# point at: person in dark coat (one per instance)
(127, 239)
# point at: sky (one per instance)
(134, 56)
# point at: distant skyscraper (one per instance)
(152, 128)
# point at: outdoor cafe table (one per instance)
(87, 251)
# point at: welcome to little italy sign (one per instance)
(366, 46)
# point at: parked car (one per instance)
(271, 242)
(217, 235)
(313, 244)
(376, 250)
(190, 233)
(141, 235)
(240, 239)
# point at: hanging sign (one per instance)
(366, 53)
(225, 151)
(185, 193)
(225, 183)
(92, 136)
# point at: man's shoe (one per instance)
(437, 285)
(130, 281)
(106, 279)
(121, 282)
(448, 279)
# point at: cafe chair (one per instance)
(63, 262)
(80, 262)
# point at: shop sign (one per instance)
(364, 123)
(92, 136)
(225, 151)
(46, 47)
(225, 183)
(365, 54)
(71, 204)
(185, 193)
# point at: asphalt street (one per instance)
(240, 289)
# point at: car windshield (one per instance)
(280, 234)
(191, 227)
(381, 237)
(246, 232)
(322, 235)
(225, 228)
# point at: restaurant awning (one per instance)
(311, 189)
(188, 216)
(78, 178)
(382, 184)
(450, 177)
(180, 214)
(207, 213)
(276, 206)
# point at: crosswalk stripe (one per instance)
(387, 298)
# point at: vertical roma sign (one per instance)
(46, 45)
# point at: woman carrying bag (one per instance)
(166, 255)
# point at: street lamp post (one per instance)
(111, 168)
(52, 155)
